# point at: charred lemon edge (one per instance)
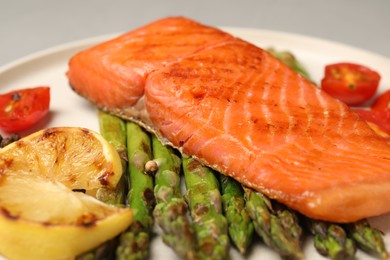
(26, 239)
(110, 179)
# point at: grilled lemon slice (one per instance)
(41, 215)
(77, 157)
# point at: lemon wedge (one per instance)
(79, 158)
(42, 216)
(41, 219)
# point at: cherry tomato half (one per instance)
(352, 83)
(382, 101)
(20, 109)
(381, 118)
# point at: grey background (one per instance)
(27, 26)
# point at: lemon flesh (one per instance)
(41, 215)
(41, 219)
(77, 157)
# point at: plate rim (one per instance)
(236, 31)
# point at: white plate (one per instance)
(68, 109)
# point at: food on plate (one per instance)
(331, 240)
(6, 140)
(379, 114)
(379, 120)
(170, 212)
(337, 241)
(240, 225)
(228, 103)
(277, 225)
(79, 158)
(352, 83)
(205, 204)
(44, 212)
(368, 238)
(20, 109)
(135, 241)
(290, 60)
(114, 131)
(382, 101)
(43, 219)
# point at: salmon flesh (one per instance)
(242, 112)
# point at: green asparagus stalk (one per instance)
(171, 212)
(289, 59)
(331, 240)
(368, 238)
(278, 228)
(240, 225)
(113, 129)
(204, 199)
(105, 251)
(134, 243)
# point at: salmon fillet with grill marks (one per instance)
(242, 112)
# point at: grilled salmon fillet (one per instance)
(242, 112)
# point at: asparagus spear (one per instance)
(113, 129)
(289, 59)
(170, 212)
(105, 251)
(331, 240)
(240, 225)
(204, 199)
(367, 238)
(278, 228)
(134, 243)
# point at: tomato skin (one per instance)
(20, 109)
(381, 117)
(351, 83)
(382, 101)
